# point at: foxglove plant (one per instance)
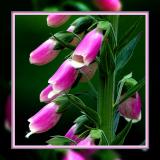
(98, 50)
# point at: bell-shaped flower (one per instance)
(64, 77)
(44, 120)
(88, 141)
(88, 48)
(130, 109)
(71, 134)
(45, 53)
(88, 72)
(55, 20)
(48, 94)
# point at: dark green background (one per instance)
(30, 32)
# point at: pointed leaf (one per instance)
(116, 121)
(120, 138)
(126, 36)
(90, 113)
(126, 52)
(60, 140)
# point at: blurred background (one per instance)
(5, 75)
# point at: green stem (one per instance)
(105, 103)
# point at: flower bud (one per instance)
(72, 155)
(64, 77)
(88, 72)
(44, 95)
(86, 142)
(85, 54)
(81, 24)
(108, 5)
(44, 120)
(54, 20)
(44, 54)
(7, 122)
(71, 134)
(130, 109)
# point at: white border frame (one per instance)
(146, 146)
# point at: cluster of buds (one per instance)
(63, 79)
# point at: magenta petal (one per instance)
(72, 155)
(44, 54)
(86, 142)
(131, 108)
(71, 134)
(45, 119)
(54, 20)
(108, 5)
(45, 92)
(87, 53)
(64, 77)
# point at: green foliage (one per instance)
(60, 140)
(120, 138)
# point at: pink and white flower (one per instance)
(55, 20)
(130, 109)
(71, 134)
(44, 120)
(64, 77)
(45, 53)
(87, 49)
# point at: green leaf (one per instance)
(83, 123)
(82, 24)
(107, 62)
(104, 25)
(60, 140)
(63, 103)
(114, 20)
(126, 36)
(131, 92)
(90, 113)
(120, 86)
(103, 140)
(116, 120)
(64, 38)
(95, 134)
(120, 138)
(126, 52)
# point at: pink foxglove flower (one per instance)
(54, 20)
(131, 108)
(72, 155)
(44, 120)
(71, 134)
(108, 5)
(88, 48)
(64, 77)
(88, 72)
(45, 53)
(7, 122)
(44, 95)
(88, 141)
